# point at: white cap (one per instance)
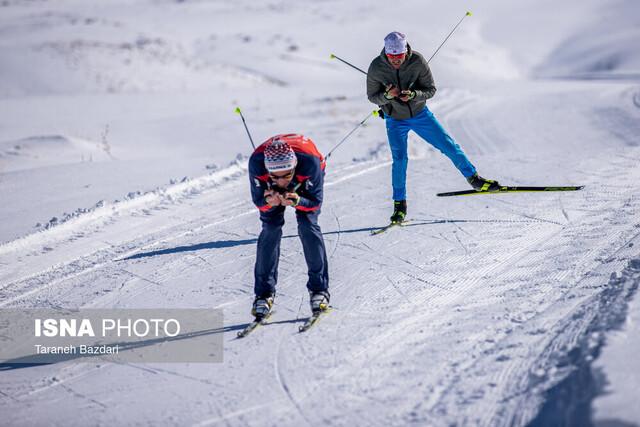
(395, 43)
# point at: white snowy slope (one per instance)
(466, 316)
(618, 367)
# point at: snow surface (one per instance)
(618, 361)
(123, 184)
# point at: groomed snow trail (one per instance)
(457, 318)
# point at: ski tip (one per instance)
(332, 56)
(237, 110)
(469, 13)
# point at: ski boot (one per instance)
(262, 307)
(399, 211)
(319, 301)
(481, 184)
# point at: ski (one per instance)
(253, 325)
(386, 227)
(510, 189)
(312, 320)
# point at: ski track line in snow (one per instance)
(580, 281)
(60, 378)
(464, 366)
(30, 241)
(282, 382)
(338, 230)
(513, 259)
(392, 337)
(80, 371)
(283, 285)
(504, 349)
(107, 256)
(172, 193)
(138, 291)
(542, 373)
(569, 289)
(141, 243)
(58, 273)
(234, 414)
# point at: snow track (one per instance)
(458, 318)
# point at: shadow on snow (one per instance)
(221, 244)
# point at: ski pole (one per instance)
(379, 113)
(345, 62)
(245, 127)
(434, 53)
(373, 113)
(449, 35)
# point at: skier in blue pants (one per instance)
(399, 81)
(428, 128)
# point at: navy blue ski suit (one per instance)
(309, 180)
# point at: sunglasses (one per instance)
(395, 56)
(277, 177)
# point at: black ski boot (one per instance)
(262, 307)
(399, 211)
(481, 184)
(319, 301)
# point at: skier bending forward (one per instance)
(288, 170)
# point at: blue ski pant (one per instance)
(315, 255)
(428, 128)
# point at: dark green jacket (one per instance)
(414, 74)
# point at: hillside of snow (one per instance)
(123, 185)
